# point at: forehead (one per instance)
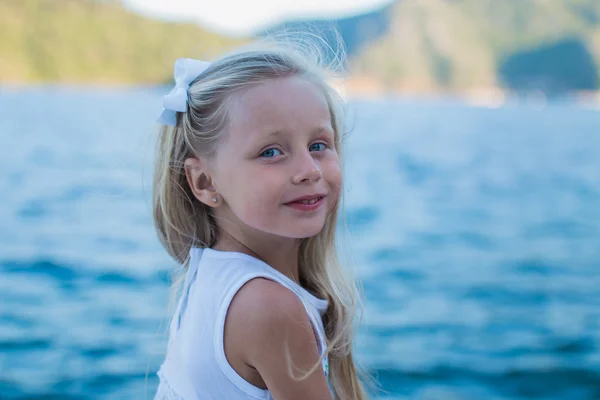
(290, 104)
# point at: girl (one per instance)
(246, 193)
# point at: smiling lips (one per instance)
(307, 203)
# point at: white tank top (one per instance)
(195, 366)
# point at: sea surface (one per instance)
(475, 234)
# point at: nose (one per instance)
(308, 170)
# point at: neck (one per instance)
(279, 252)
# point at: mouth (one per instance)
(307, 203)
(310, 199)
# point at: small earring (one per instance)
(215, 199)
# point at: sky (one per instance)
(242, 17)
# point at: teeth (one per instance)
(313, 201)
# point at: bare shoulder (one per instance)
(264, 307)
(265, 322)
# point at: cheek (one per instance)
(250, 191)
(333, 175)
(332, 171)
(253, 199)
(254, 206)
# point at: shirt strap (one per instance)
(190, 276)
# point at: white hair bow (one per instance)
(186, 70)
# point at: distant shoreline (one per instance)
(484, 97)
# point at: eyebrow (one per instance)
(322, 129)
(317, 130)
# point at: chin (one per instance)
(303, 232)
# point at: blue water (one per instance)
(475, 232)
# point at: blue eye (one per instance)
(319, 147)
(270, 153)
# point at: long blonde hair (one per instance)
(182, 221)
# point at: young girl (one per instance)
(246, 192)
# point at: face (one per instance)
(277, 168)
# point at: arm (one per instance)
(265, 318)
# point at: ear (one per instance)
(200, 181)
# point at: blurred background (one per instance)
(472, 189)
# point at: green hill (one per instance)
(417, 45)
(93, 41)
(550, 45)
